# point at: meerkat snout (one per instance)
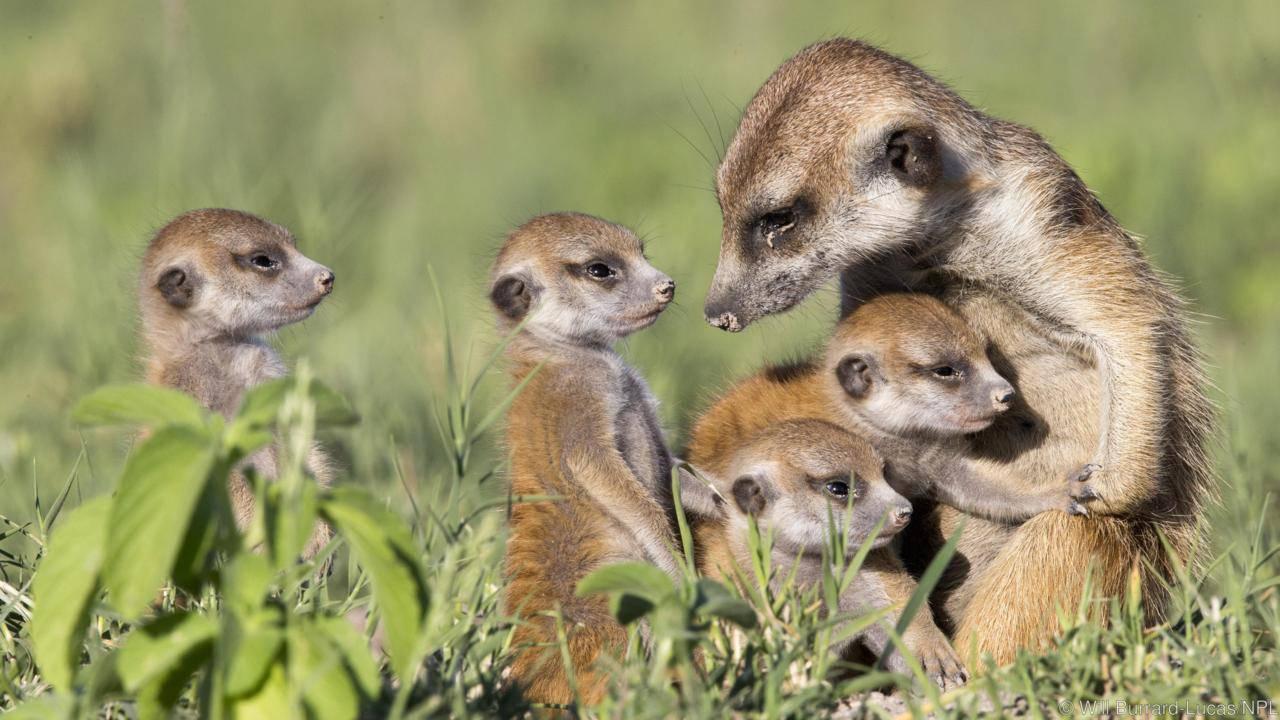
(900, 516)
(1002, 394)
(665, 290)
(325, 280)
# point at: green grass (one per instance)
(395, 138)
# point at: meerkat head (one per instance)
(798, 477)
(844, 153)
(909, 364)
(577, 279)
(211, 273)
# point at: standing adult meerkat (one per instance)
(797, 477)
(584, 429)
(213, 283)
(848, 158)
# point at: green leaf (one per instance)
(211, 528)
(253, 642)
(635, 578)
(246, 580)
(157, 698)
(261, 404)
(629, 608)
(381, 545)
(719, 602)
(320, 675)
(162, 483)
(355, 650)
(272, 700)
(290, 524)
(153, 650)
(139, 404)
(64, 589)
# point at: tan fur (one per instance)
(849, 160)
(763, 431)
(584, 429)
(205, 309)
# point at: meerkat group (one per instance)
(1006, 356)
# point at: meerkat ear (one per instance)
(696, 495)
(177, 286)
(854, 374)
(748, 495)
(914, 156)
(512, 295)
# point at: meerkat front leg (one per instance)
(978, 489)
(608, 480)
(1121, 328)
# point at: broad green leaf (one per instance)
(355, 651)
(320, 675)
(211, 528)
(246, 580)
(381, 545)
(290, 525)
(635, 578)
(719, 602)
(153, 650)
(64, 589)
(272, 700)
(261, 405)
(100, 680)
(628, 608)
(162, 483)
(140, 404)
(157, 698)
(253, 642)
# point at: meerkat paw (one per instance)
(937, 658)
(1080, 491)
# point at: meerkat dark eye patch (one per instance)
(512, 296)
(260, 261)
(177, 287)
(913, 156)
(855, 375)
(749, 496)
(599, 271)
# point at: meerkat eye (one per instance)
(946, 371)
(775, 223)
(600, 271)
(264, 261)
(838, 489)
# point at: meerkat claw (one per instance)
(1086, 472)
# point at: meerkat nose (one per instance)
(325, 281)
(1003, 395)
(665, 291)
(902, 516)
(725, 321)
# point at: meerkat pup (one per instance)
(797, 478)
(213, 284)
(847, 158)
(907, 373)
(583, 429)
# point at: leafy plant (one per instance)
(189, 595)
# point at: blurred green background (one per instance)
(394, 137)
